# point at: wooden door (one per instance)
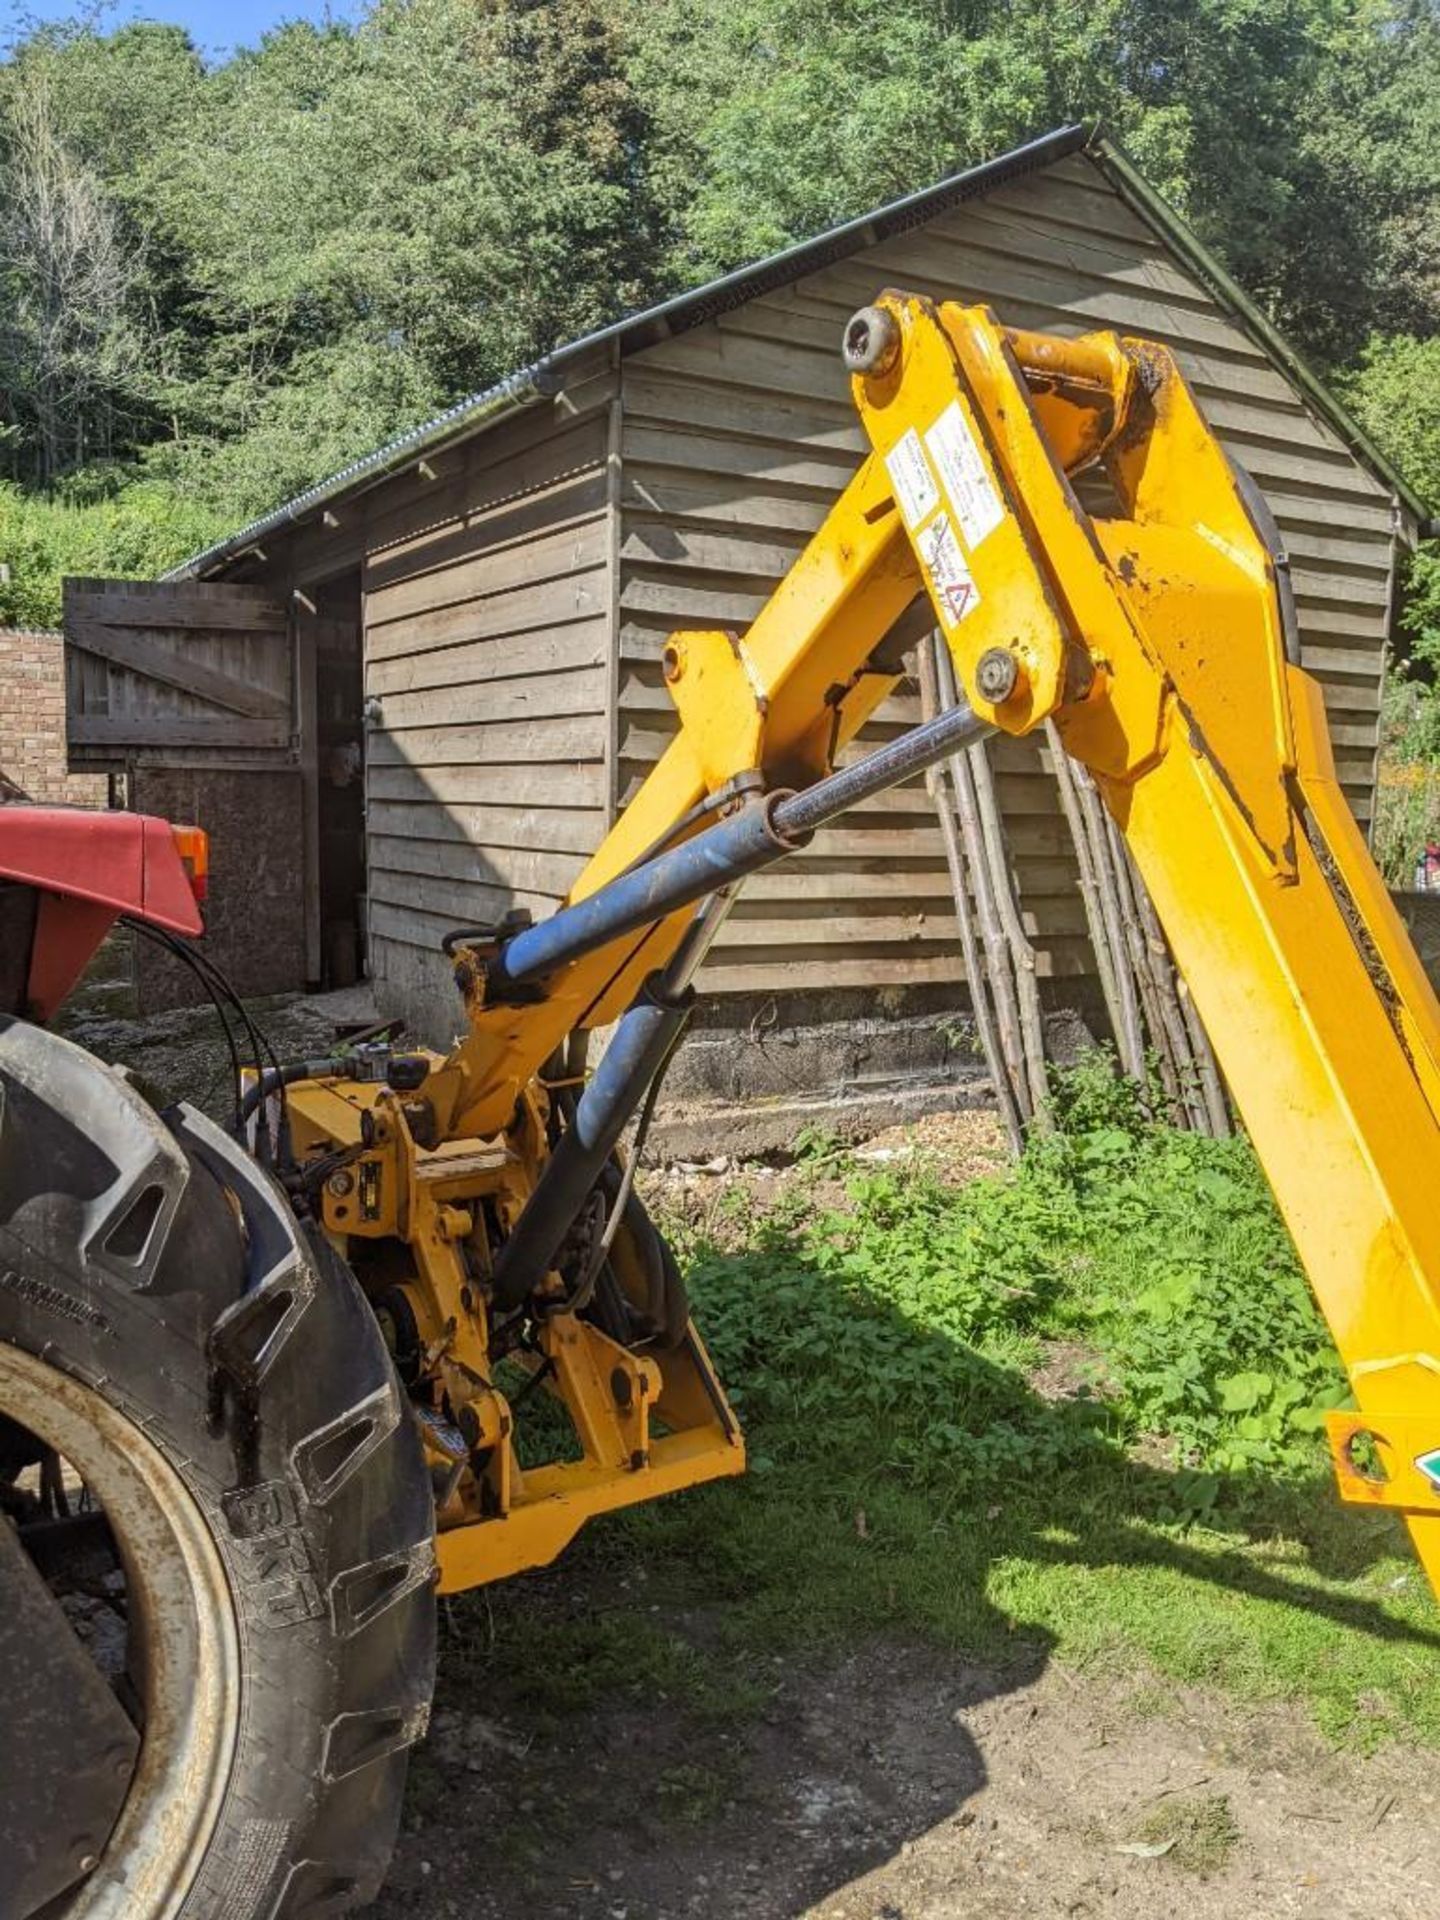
(156, 669)
(192, 690)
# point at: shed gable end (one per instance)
(738, 434)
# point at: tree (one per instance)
(372, 221)
(70, 352)
(1298, 136)
(326, 236)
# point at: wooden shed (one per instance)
(504, 579)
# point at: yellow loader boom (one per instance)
(1159, 638)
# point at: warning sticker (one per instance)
(910, 475)
(956, 594)
(964, 475)
(1429, 1465)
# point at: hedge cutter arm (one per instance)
(1159, 636)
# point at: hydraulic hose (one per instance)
(275, 1078)
(643, 1041)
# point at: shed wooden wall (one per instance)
(519, 585)
(488, 594)
(736, 437)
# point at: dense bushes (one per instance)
(234, 275)
(94, 525)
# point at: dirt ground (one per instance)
(903, 1784)
(895, 1782)
(181, 1054)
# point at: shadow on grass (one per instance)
(741, 1699)
(931, 1440)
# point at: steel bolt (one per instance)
(997, 673)
(872, 341)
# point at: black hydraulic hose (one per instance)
(273, 1079)
(582, 1293)
(160, 937)
(642, 1042)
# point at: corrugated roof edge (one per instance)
(693, 309)
(676, 315)
(477, 409)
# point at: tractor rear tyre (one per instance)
(194, 1386)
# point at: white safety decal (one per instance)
(964, 475)
(956, 593)
(910, 475)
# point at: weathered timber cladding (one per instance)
(488, 595)
(521, 575)
(189, 688)
(738, 435)
(180, 670)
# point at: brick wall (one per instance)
(32, 722)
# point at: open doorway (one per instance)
(339, 779)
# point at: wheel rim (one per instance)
(180, 1605)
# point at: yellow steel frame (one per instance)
(1154, 638)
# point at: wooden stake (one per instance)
(1151, 995)
(938, 788)
(1022, 953)
(1212, 1087)
(1203, 1103)
(1012, 960)
(1129, 1038)
(1106, 959)
(992, 938)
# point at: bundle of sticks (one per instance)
(1157, 1034)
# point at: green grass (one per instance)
(693, 1791)
(1176, 1521)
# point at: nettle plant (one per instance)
(913, 1322)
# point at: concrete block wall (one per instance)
(32, 722)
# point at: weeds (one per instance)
(1160, 1250)
(1171, 1507)
(1167, 1516)
(690, 1793)
(1198, 1831)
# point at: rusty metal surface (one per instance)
(68, 1751)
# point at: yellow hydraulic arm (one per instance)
(1159, 638)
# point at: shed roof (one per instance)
(692, 309)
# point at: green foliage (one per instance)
(1066, 1407)
(301, 249)
(335, 232)
(1091, 1098)
(1395, 391)
(1407, 798)
(91, 525)
(1198, 1831)
(1293, 132)
(909, 1321)
(802, 1326)
(1191, 1290)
